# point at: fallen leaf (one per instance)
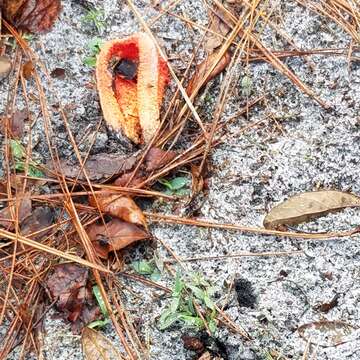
(114, 235)
(156, 158)
(303, 207)
(212, 41)
(120, 206)
(17, 183)
(5, 66)
(15, 124)
(38, 222)
(3, 189)
(327, 333)
(23, 206)
(58, 73)
(193, 343)
(35, 16)
(96, 346)
(326, 307)
(197, 183)
(123, 180)
(67, 285)
(131, 94)
(99, 167)
(204, 67)
(28, 69)
(205, 356)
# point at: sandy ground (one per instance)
(306, 148)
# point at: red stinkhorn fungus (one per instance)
(131, 78)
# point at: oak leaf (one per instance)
(114, 235)
(32, 15)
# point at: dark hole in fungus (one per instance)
(127, 69)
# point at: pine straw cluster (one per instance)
(25, 262)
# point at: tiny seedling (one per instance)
(96, 18)
(152, 268)
(101, 303)
(246, 85)
(185, 293)
(177, 186)
(94, 47)
(19, 153)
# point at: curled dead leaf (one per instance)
(204, 67)
(131, 78)
(37, 223)
(157, 158)
(99, 167)
(114, 235)
(58, 73)
(20, 208)
(35, 16)
(218, 27)
(120, 206)
(15, 124)
(328, 333)
(5, 66)
(67, 284)
(124, 179)
(96, 346)
(306, 206)
(28, 69)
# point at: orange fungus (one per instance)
(131, 78)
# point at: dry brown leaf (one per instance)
(193, 343)
(122, 207)
(3, 189)
(35, 16)
(38, 222)
(99, 166)
(24, 210)
(204, 67)
(69, 285)
(327, 333)
(157, 158)
(123, 180)
(213, 41)
(96, 346)
(28, 69)
(303, 207)
(58, 73)
(15, 124)
(5, 66)
(115, 235)
(205, 356)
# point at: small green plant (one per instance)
(101, 303)
(94, 47)
(246, 85)
(19, 153)
(96, 18)
(152, 268)
(177, 186)
(181, 309)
